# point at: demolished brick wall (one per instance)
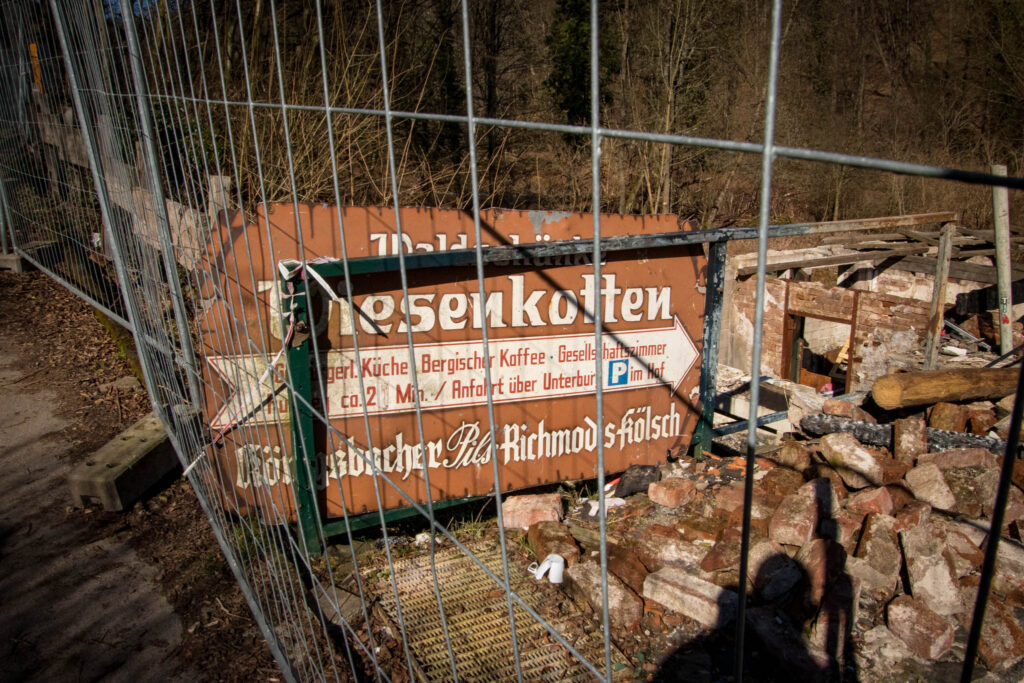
(877, 317)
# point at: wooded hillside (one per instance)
(929, 81)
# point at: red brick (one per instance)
(913, 513)
(879, 546)
(931, 579)
(1018, 473)
(893, 471)
(948, 416)
(974, 489)
(760, 518)
(843, 528)
(522, 512)
(962, 555)
(725, 554)
(838, 486)
(711, 605)
(871, 501)
(960, 457)
(771, 571)
(822, 560)
(926, 633)
(623, 563)
(700, 528)
(781, 482)
(855, 464)
(835, 617)
(662, 546)
(729, 498)
(1002, 428)
(673, 493)
(909, 438)
(796, 519)
(1002, 639)
(624, 608)
(835, 406)
(981, 420)
(1014, 506)
(794, 456)
(901, 495)
(548, 538)
(1009, 578)
(927, 483)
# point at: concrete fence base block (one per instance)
(125, 468)
(12, 262)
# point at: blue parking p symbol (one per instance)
(618, 372)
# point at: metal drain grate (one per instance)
(477, 615)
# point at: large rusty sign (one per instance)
(541, 355)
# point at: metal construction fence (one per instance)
(323, 369)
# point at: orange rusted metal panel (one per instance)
(541, 355)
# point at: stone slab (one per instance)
(624, 608)
(680, 591)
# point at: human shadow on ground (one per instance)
(799, 615)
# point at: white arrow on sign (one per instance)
(250, 387)
(451, 374)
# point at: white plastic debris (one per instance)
(609, 503)
(553, 562)
(422, 539)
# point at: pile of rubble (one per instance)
(863, 559)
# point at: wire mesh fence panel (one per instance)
(50, 201)
(242, 186)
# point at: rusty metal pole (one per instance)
(714, 285)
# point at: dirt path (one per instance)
(73, 607)
(86, 594)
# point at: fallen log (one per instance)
(881, 434)
(906, 389)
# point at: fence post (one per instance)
(160, 208)
(1001, 211)
(5, 222)
(935, 321)
(297, 356)
(6, 219)
(3, 219)
(713, 287)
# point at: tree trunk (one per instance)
(905, 389)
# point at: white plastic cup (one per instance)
(553, 565)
